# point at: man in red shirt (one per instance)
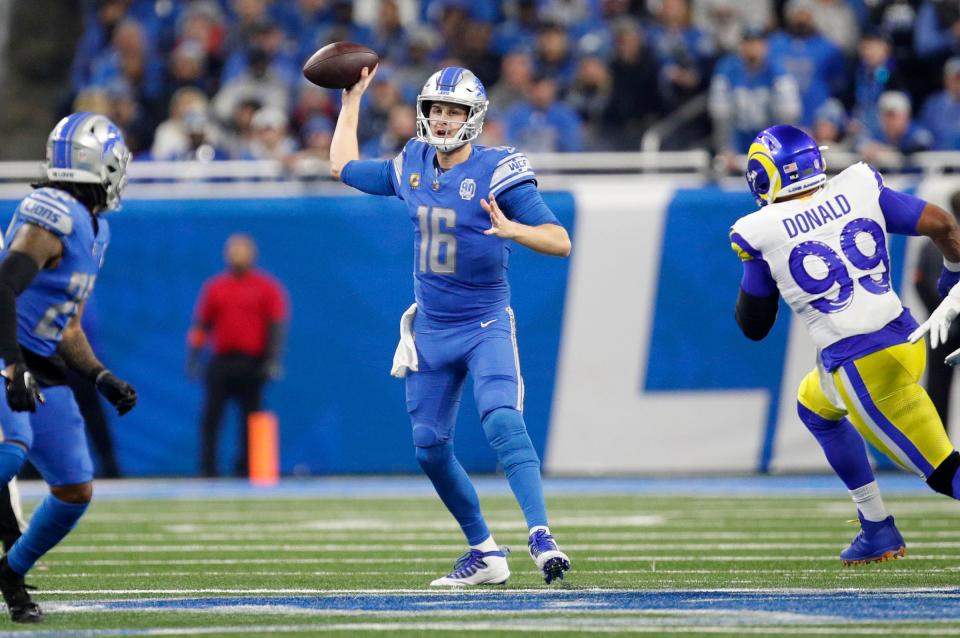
(243, 311)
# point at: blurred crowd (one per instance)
(220, 79)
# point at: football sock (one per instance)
(842, 445)
(49, 524)
(12, 457)
(869, 502)
(508, 436)
(455, 489)
(489, 545)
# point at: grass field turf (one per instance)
(708, 557)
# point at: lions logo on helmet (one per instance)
(782, 161)
(457, 86)
(88, 148)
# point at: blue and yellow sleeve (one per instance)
(744, 250)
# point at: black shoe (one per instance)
(22, 608)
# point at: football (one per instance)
(338, 65)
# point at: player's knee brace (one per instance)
(12, 457)
(944, 478)
(508, 436)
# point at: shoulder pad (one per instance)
(50, 209)
(512, 167)
(744, 250)
(863, 175)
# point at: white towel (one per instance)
(405, 358)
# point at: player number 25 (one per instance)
(837, 271)
(438, 250)
(81, 284)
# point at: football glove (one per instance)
(22, 390)
(117, 391)
(938, 325)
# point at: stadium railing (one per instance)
(245, 178)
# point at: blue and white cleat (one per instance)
(877, 542)
(549, 559)
(477, 568)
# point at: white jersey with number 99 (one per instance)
(829, 256)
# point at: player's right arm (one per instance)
(759, 298)
(32, 249)
(940, 226)
(344, 147)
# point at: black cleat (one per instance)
(22, 608)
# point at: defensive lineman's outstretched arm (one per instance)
(344, 146)
(942, 228)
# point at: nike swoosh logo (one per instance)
(484, 324)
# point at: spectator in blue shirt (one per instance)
(898, 132)
(269, 38)
(685, 54)
(401, 126)
(941, 112)
(519, 31)
(340, 27)
(634, 102)
(554, 56)
(937, 30)
(99, 23)
(750, 91)
(817, 64)
(830, 124)
(389, 35)
(542, 124)
(876, 74)
(130, 62)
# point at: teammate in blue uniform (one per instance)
(55, 246)
(466, 203)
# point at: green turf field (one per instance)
(358, 566)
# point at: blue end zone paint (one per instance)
(695, 343)
(411, 487)
(839, 607)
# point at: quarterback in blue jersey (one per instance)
(55, 246)
(466, 203)
(822, 245)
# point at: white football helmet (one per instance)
(458, 86)
(88, 148)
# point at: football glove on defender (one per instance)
(117, 391)
(938, 325)
(22, 390)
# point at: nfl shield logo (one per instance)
(468, 188)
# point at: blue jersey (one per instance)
(460, 274)
(44, 308)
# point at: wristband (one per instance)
(952, 266)
(97, 373)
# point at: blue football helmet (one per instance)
(88, 148)
(459, 86)
(783, 160)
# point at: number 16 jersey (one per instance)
(829, 257)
